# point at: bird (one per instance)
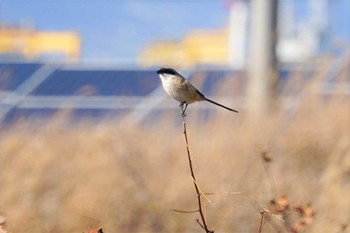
(179, 88)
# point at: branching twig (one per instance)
(203, 194)
(203, 213)
(200, 224)
(203, 224)
(223, 219)
(262, 212)
(262, 219)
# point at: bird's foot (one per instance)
(183, 106)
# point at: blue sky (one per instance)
(116, 30)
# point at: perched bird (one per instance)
(182, 90)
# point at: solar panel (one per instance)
(84, 89)
(14, 74)
(98, 82)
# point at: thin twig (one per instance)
(206, 213)
(185, 211)
(200, 224)
(223, 219)
(221, 193)
(261, 219)
(201, 193)
(271, 178)
(204, 223)
(262, 212)
(257, 207)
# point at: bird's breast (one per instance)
(180, 89)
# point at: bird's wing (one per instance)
(194, 92)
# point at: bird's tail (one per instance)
(213, 102)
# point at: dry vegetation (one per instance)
(126, 178)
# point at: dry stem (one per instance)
(203, 224)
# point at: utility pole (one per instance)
(262, 61)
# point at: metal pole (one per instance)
(262, 61)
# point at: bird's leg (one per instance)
(183, 106)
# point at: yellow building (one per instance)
(31, 44)
(199, 47)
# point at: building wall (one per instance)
(199, 47)
(31, 44)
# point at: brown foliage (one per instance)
(69, 177)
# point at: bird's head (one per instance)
(167, 70)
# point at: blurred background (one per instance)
(89, 138)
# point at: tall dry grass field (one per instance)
(127, 178)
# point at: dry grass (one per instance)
(56, 178)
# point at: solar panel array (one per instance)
(91, 92)
(98, 82)
(100, 93)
